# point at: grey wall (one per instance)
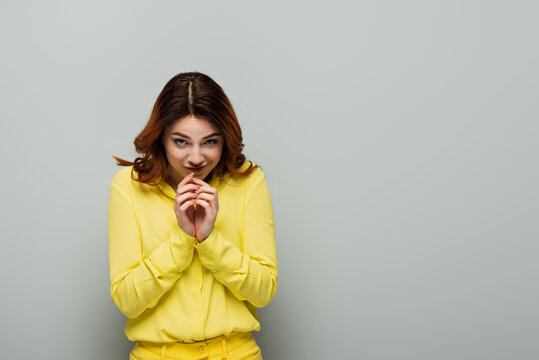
(399, 141)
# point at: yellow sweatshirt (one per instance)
(172, 288)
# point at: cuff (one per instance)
(174, 255)
(218, 254)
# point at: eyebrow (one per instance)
(187, 137)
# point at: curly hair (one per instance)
(189, 93)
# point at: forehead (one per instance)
(191, 125)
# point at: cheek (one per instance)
(174, 154)
(215, 154)
(218, 154)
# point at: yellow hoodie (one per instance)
(172, 288)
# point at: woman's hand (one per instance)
(207, 209)
(183, 206)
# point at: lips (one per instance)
(195, 169)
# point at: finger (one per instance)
(206, 189)
(204, 204)
(187, 188)
(204, 196)
(186, 205)
(199, 181)
(185, 180)
(180, 199)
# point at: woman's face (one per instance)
(191, 145)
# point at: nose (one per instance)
(195, 158)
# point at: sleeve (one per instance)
(138, 283)
(250, 274)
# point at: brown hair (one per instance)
(189, 93)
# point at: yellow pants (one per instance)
(236, 346)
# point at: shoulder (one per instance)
(124, 182)
(123, 176)
(256, 176)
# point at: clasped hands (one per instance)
(196, 221)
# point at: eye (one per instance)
(211, 141)
(179, 141)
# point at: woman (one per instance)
(191, 236)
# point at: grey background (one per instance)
(398, 138)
